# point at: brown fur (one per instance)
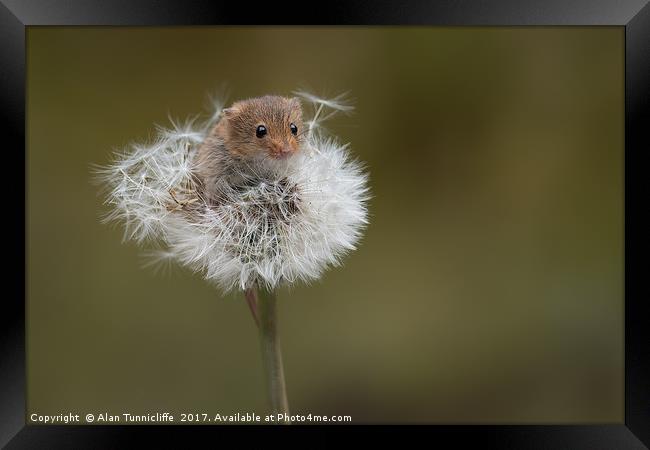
(232, 142)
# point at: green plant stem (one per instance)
(267, 319)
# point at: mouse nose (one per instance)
(280, 149)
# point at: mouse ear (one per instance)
(295, 102)
(230, 112)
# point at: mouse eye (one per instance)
(294, 129)
(261, 131)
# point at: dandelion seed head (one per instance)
(276, 222)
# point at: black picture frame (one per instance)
(633, 15)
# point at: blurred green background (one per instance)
(488, 287)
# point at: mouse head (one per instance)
(264, 127)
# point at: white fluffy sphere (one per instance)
(285, 222)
